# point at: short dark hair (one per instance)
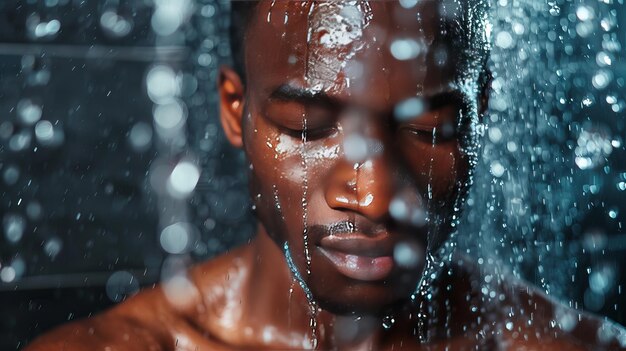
(241, 12)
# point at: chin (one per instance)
(344, 296)
(359, 306)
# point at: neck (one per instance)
(278, 305)
(283, 316)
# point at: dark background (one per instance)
(85, 207)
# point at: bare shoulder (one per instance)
(157, 318)
(544, 323)
(120, 328)
(218, 268)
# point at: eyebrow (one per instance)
(288, 93)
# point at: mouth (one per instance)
(358, 256)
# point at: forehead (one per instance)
(376, 52)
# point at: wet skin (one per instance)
(320, 76)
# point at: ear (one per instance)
(231, 104)
(485, 89)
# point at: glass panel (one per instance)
(456, 158)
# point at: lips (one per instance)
(358, 256)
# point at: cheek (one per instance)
(438, 169)
(283, 171)
(285, 162)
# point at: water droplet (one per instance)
(7, 274)
(405, 49)
(53, 247)
(140, 136)
(14, 226)
(44, 131)
(11, 175)
(175, 238)
(407, 4)
(28, 111)
(115, 25)
(593, 148)
(183, 179)
(497, 169)
(407, 255)
(504, 40)
(169, 16)
(162, 84)
(408, 109)
(388, 322)
(355, 147)
(585, 13)
(120, 285)
(602, 79)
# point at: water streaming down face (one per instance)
(522, 138)
(550, 178)
(342, 53)
(305, 233)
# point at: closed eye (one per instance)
(431, 134)
(423, 133)
(311, 134)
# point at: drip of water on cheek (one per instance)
(305, 229)
(305, 188)
(308, 40)
(269, 12)
(291, 287)
(305, 235)
(277, 201)
(307, 292)
(422, 67)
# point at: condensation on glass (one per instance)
(114, 173)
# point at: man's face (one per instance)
(352, 130)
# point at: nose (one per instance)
(366, 187)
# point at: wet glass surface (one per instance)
(114, 167)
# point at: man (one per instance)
(358, 120)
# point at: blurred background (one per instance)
(107, 126)
(114, 170)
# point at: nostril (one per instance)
(366, 188)
(340, 188)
